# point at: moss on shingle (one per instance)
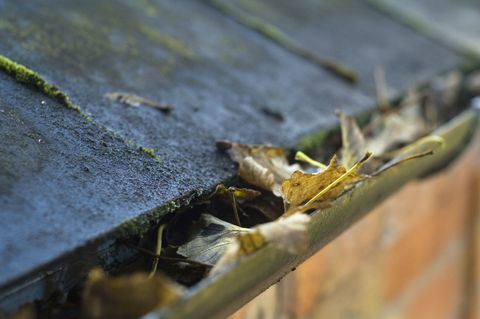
(26, 76)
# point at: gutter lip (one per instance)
(220, 295)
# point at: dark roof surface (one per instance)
(65, 180)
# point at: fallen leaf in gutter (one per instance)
(135, 100)
(211, 241)
(263, 166)
(398, 126)
(423, 147)
(303, 189)
(353, 141)
(125, 297)
(381, 88)
(286, 233)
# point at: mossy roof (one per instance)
(71, 174)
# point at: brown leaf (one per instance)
(135, 100)
(353, 141)
(423, 147)
(127, 296)
(397, 126)
(301, 187)
(263, 166)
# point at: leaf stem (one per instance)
(235, 208)
(338, 180)
(301, 156)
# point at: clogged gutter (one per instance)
(270, 205)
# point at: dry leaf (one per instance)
(211, 241)
(128, 296)
(381, 88)
(286, 233)
(301, 188)
(449, 86)
(353, 141)
(418, 149)
(388, 129)
(135, 100)
(241, 194)
(397, 126)
(263, 166)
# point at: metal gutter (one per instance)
(221, 295)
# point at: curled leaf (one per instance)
(129, 296)
(263, 166)
(381, 88)
(353, 141)
(286, 233)
(135, 100)
(397, 126)
(256, 174)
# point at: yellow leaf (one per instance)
(128, 296)
(301, 188)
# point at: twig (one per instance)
(172, 259)
(301, 156)
(235, 209)
(157, 250)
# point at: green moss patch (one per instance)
(26, 76)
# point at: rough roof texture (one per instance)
(66, 179)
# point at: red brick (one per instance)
(439, 211)
(322, 273)
(442, 297)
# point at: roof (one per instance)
(71, 175)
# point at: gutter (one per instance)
(220, 295)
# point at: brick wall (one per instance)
(415, 256)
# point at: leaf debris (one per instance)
(136, 101)
(260, 165)
(286, 233)
(126, 296)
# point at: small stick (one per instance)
(301, 156)
(173, 259)
(157, 251)
(235, 209)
